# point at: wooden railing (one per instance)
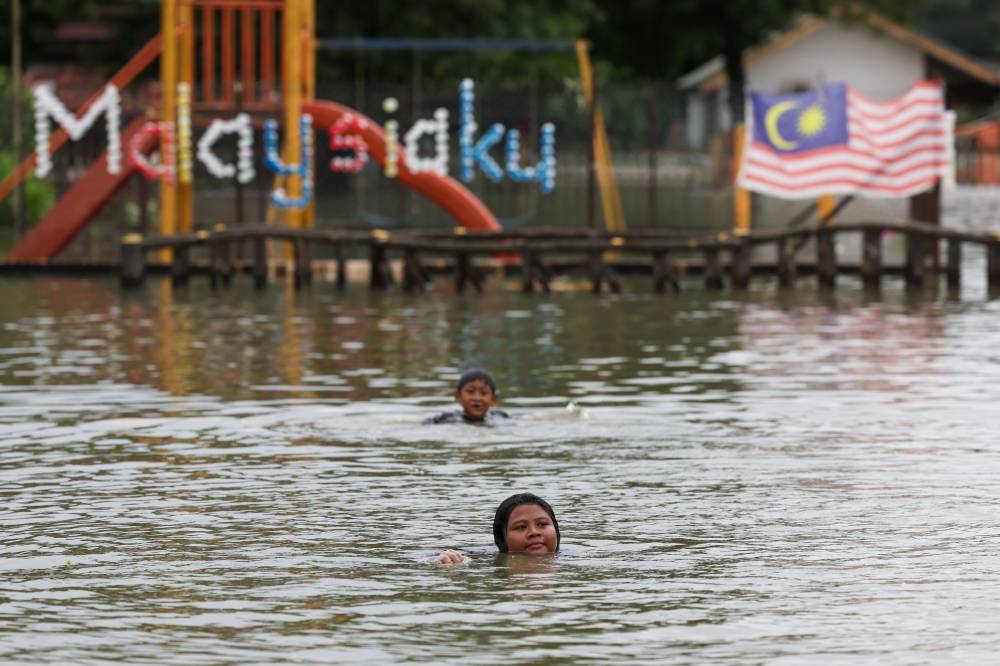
(670, 257)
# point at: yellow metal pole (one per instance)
(611, 204)
(309, 81)
(741, 197)
(168, 112)
(825, 206)
(185, 65)
(292, 93)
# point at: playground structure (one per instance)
(228, 57)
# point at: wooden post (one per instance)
(477, 276)
(303, 262)
(133, 261)
(341, 266)
(180, 267)
(826, 259)
(740, 268)
(954, 268)
(532, 270)
(916, 259)
(414, 275)
(259, 262)
(222, 265)
(381, 275)
(926, 207)
(213, 264)
(871, 258)
(713, 272)
(664, 272)
(786, 263)
(605, 275)
(542, 274)
(466, 272)
(527, 272)
(596, 272)
(993, 265)
(461, 271)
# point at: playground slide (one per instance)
(453, 197)
(91, 193)
(77, 206)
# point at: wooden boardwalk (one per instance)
(535, 252)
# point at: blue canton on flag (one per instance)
(801, 122)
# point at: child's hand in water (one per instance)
(450, 558)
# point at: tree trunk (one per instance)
(732, 53)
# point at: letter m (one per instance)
(47, 105)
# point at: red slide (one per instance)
(453, 197)
(78, 206)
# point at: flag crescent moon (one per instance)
(771, 125)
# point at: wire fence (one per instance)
(662, 184)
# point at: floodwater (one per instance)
(231, 477)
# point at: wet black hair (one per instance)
(502, 517)
(477, 374)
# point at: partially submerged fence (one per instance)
(537, 252)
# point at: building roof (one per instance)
(711, 75)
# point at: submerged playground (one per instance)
(227, 171)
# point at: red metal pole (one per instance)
(267, 52)
(208, 55)
(249, 72)
(228, 56)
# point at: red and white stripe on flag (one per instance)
(894, 149)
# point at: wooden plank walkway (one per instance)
(716, 256)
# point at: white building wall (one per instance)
(873, 64)
(695, 129)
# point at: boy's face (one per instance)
(530, 530)
(476, 398)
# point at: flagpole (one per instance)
(741, 196)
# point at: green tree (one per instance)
(514, 19)
(664, 39)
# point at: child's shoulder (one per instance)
(458, 416)
(454, 416)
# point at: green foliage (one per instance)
(520, 19)
(971, 25)
(39, 197)
(632, 38)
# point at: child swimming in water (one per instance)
(523, 523)
(477, 395)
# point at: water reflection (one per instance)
(236, 476)
(514, 565)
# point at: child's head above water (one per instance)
(476, 393)
(525, 523)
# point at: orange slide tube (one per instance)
(453, 197)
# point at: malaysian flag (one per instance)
(836, 141)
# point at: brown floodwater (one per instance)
(199, 477)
